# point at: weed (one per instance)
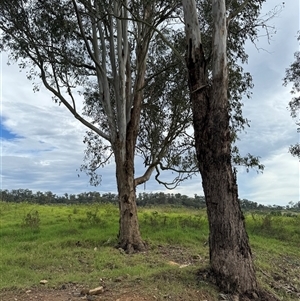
(32, 220)
(267, 223)
(92, 218)
(183, 221)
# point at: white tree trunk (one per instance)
(219, 51)
(192, 29)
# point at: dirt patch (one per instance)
(121, 294)
(121, 288)
(284, 279)
(70, 294)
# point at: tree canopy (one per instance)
(108, 55)
(77, 48)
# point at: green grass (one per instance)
(76, 243)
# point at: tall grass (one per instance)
(283, 230)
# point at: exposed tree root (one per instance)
(261, 295)
(129, 248)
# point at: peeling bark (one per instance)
(230, 253)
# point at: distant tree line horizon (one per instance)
(143, 199)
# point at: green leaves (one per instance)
(249, 161)
(292, 76)
(57, 42)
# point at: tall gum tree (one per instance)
(230, 253)
(99, 48)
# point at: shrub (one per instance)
(32, 220)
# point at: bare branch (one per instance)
(177, 180)
(69, 107)
(146, 176)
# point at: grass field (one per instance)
(76, 244)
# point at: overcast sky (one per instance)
(42, 149)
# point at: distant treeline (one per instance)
(143, 199)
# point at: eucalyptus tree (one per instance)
(165, 139)
(94, 54)
(210, 73)
(292, 75)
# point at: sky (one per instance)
(42, 148)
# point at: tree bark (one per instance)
(129, 238)
(129, 234)
(230, 253)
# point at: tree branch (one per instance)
(146, 176)
(181, 57)
(84, 37)
(234, 13)
(69, 107)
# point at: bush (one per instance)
(32, 220)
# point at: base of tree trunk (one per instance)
(130, 248)
(129, 238)
(207, 275)
(261, 295)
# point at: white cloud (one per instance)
(279, 183)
